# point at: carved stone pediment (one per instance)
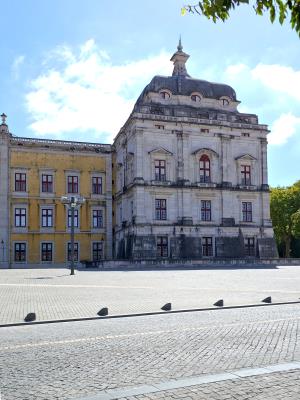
(161, 150)
(207, 151)
(246, 157)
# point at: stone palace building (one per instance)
(186, 177)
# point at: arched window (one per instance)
(196, 98)
(164, 94)
(204, 166)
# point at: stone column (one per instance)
(4, 197)
(108, 203)
(264, 165)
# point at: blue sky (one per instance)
(73, 70)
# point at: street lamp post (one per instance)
(73, 202)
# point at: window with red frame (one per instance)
(160, 209)
(72, 184)
(247, 211)
(246, 174)
(20, 182)
(207, 249)
(206, 210)
(97, 185)
(97, 251)
(20, 252)
(47, 183)
(162, 246)
(160, 170)
(204, 165)
(249, 246)
(47, 251)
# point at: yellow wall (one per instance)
(59, 162)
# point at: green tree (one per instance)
(220, 10)
(285, 214)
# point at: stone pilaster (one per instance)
(4, 196)
(108, 198)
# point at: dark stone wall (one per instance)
(185, 247)
(267, 248)
(144, 247)
(230, 247)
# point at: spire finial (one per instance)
(179, 47)
(3, 117)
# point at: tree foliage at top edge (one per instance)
(280, 10)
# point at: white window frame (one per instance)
(20, 171)
(47, 228)
(66, 258)
(47, 172)
(26, 250)
(72, 173)
(23, 229)
(53, 252)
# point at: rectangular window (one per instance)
(72, 184)
(20, 217)
(96, 185)
(160, 209)
(47, 218)
(204, 167)
(47, 183)
(249, 246)
(160, 170)
(207, 249)
(246, 174)
(206, 210)
(97, 219)
(75, 218)
(20, 252)
(97, 251)
(162, 246)
(20, 182)
(47, 249)
(247, 211)
(75, 251)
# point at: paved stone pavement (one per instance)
(74, 360)
(54, 294)
(277, 386)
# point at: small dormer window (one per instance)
(196, 98)
(164, 94)
(224, 102)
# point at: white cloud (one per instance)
(82, 91)
(18, 61)
(283, 128)
(279, 78)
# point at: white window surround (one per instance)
(53, 252)
(168, 94)
(19, 170)
(103, 248)
(20, 229)
(13, 251)
(76, 229)
(214, 166)
(47, 171)
(48, 207)
(163, 154)
(198, 98)
(102, 229)
(66, 252)
(249, 160)
(96, 174)
(72, 173)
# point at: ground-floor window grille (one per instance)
(47, 252)
(249, 246)
(97, 251)
(207, 248)
(75, 252)
(20, 252)
(162, 246)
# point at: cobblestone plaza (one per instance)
(246, 353)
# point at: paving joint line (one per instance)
(119, 393)
(145, 314)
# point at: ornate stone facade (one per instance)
(191, 174)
